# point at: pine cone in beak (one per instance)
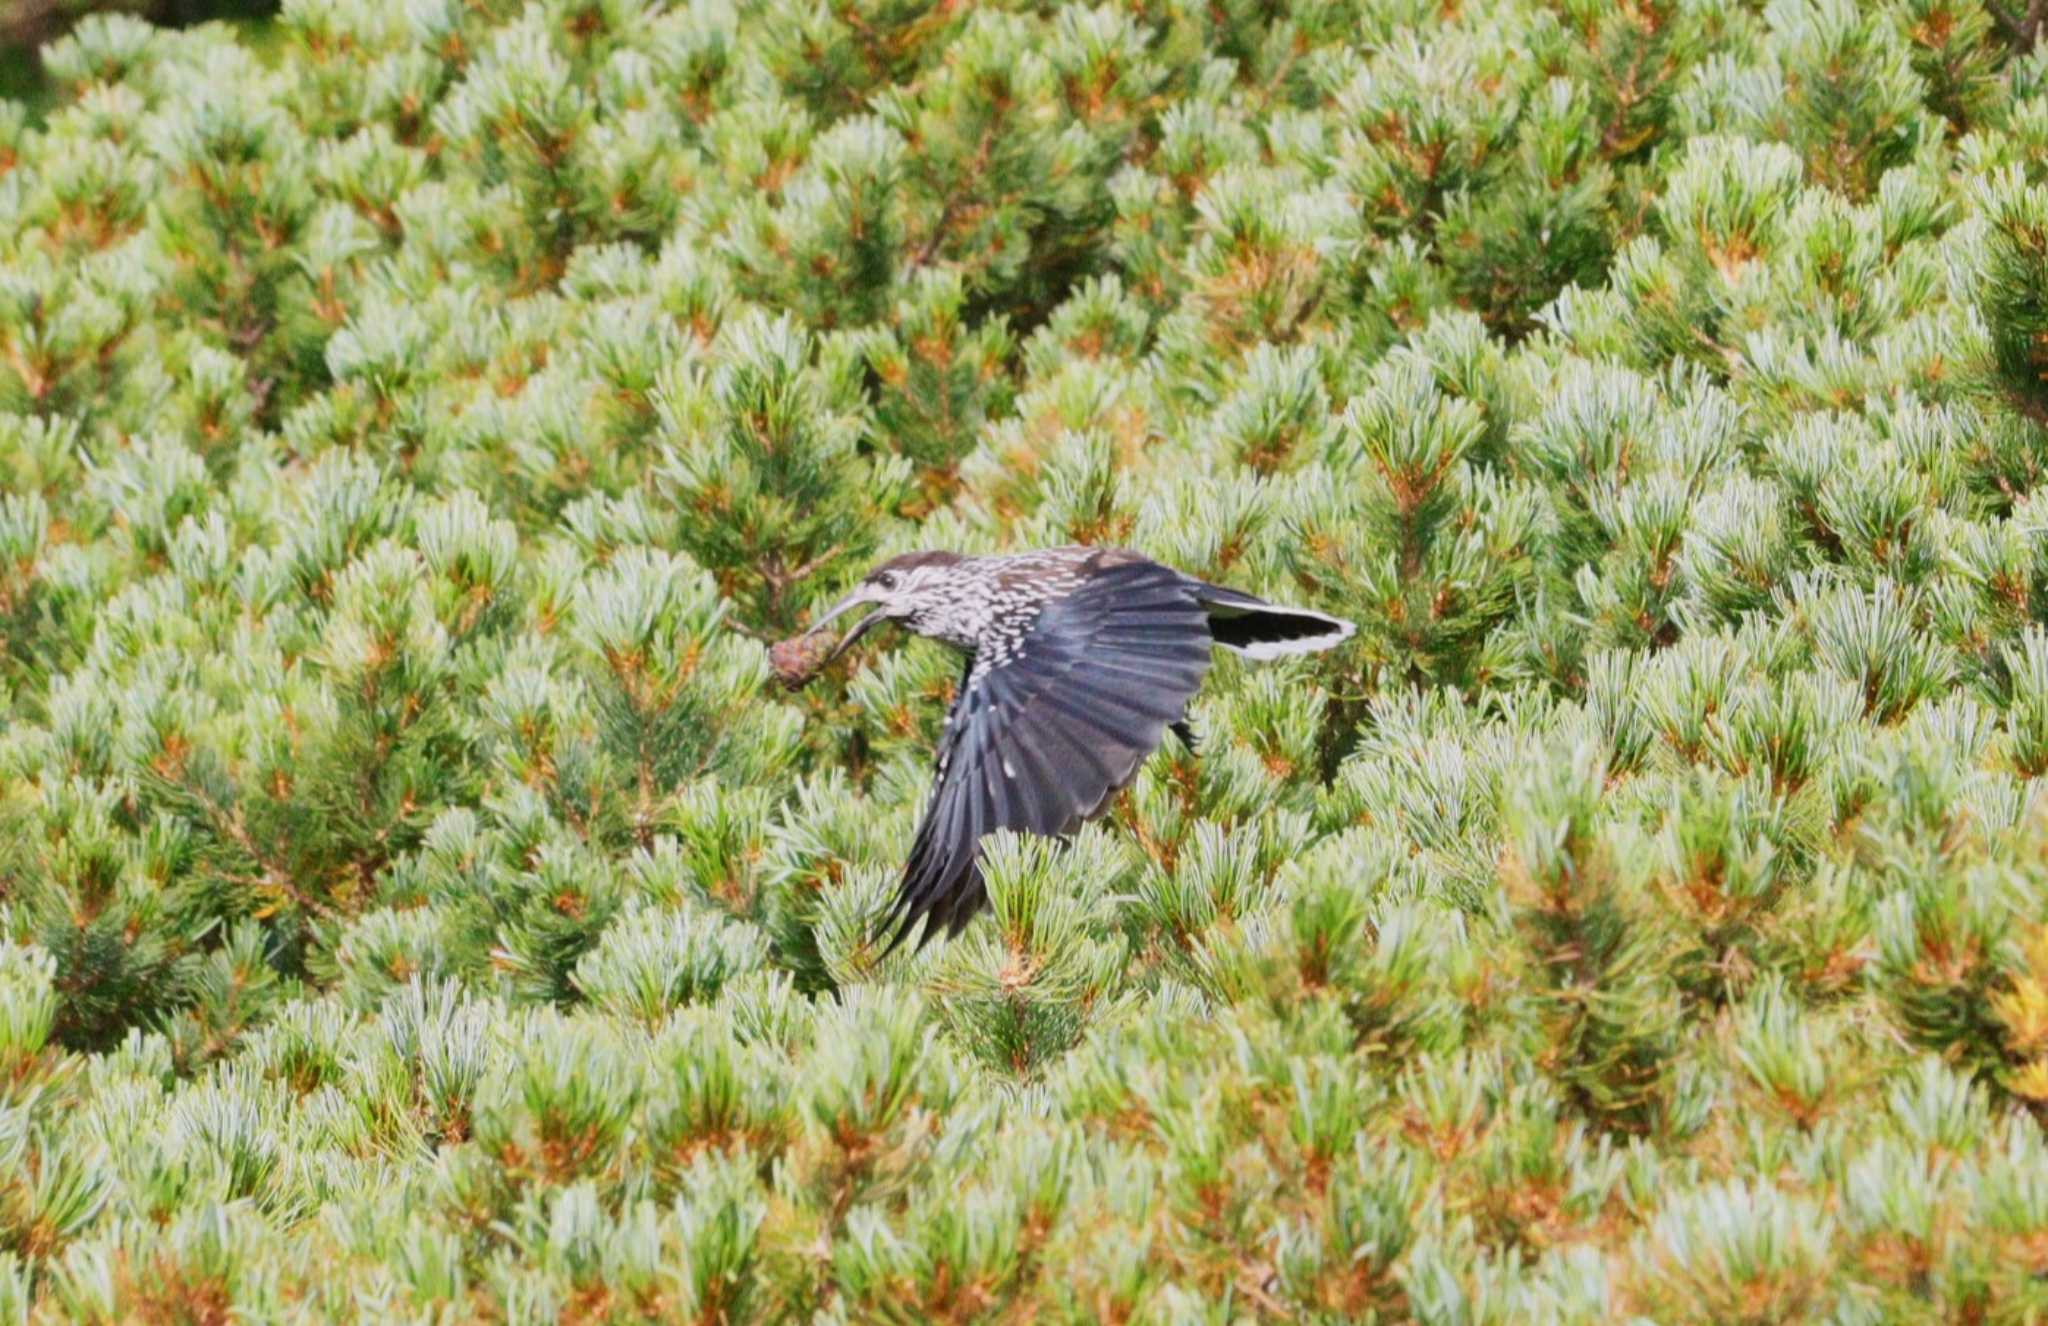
(800, 658)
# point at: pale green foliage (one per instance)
(417, 902)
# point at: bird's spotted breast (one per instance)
(988, 604)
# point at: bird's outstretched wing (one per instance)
(1042, 737)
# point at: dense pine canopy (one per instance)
(418, 902)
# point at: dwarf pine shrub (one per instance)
(417, 903)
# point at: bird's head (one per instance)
(900, 590)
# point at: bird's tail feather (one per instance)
(1262, 630)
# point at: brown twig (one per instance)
(231, 825)
(2023, 30)
(975, 170)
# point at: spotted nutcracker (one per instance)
(1078, 662)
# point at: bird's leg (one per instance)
(1180, 729)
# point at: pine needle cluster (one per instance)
(418, 903)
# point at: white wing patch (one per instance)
(1340, 631)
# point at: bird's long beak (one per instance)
(860, 628)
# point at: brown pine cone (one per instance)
(798, 659)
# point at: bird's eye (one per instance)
(886, 580)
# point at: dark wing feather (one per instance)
(1043, 741)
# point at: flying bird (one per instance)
(1078, 661)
